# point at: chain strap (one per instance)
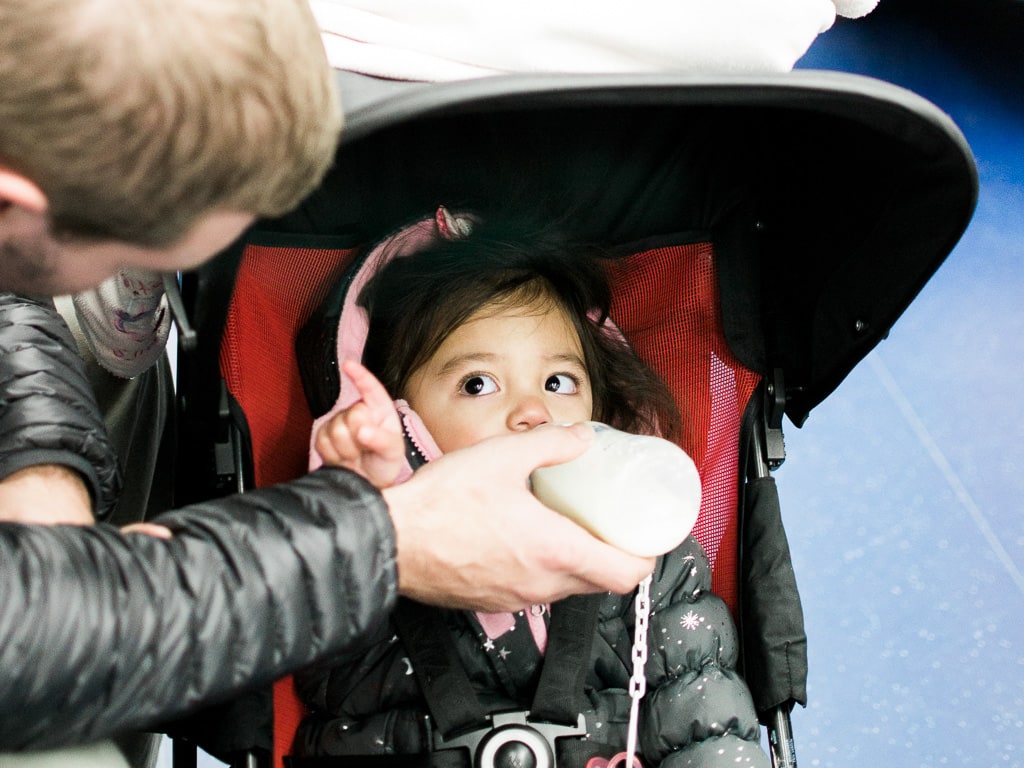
(638, 682)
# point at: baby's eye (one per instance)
(562, 383)
(478, 384)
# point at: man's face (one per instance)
(33, 262)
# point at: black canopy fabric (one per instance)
(831, 198)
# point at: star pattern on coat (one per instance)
(690, 621)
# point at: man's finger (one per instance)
(150, 529)
(523, 452)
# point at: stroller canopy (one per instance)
(830, 198)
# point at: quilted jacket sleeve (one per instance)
(102, 632)
(48, 413)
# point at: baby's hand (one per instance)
(366, 437)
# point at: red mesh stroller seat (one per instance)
(666, 302)
(753, 218)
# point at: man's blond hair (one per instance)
(134, 117)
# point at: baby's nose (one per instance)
(529, 412)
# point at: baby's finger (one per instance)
(325, 449)
(335, 441)
(372, 393)
(380, 441)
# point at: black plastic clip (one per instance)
(774, 409)
(227, 448)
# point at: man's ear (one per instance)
(15, 189)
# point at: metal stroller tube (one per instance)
(186, 334)
(780, 739)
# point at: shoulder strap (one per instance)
(559, 697)
(450, 697)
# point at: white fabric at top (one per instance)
(454, 39)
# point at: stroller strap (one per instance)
(559, 695)
(454, 705)
(451, 700)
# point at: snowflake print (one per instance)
(690, 621)
(489, 645)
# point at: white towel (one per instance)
(434, 40)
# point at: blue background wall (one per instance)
(901, 492)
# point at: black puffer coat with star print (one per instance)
(697, 710)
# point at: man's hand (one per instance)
(46, 494)
(471, 535)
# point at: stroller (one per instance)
(771, 229)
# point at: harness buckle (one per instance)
(512, 741)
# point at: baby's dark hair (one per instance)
(415, 302)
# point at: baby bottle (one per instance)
(637, 492)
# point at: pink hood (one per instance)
(353, 324)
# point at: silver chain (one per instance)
(638, 682)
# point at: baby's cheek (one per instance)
(462, 433)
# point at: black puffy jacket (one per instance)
(102, 632)
(697, 710)
(48, 412)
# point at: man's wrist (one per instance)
(45, 494)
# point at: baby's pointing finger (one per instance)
(371, 391)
